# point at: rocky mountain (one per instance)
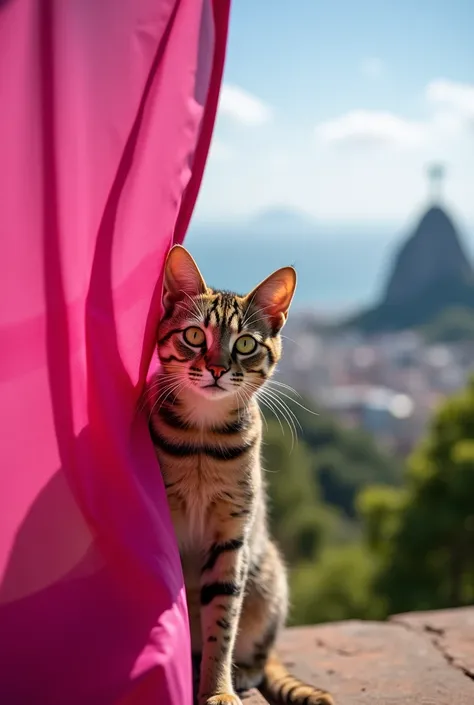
(430, 274)
(431, 255)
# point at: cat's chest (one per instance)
(201, 499)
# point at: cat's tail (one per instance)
(279, 686)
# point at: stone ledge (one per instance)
(253, 697)
(423, 658)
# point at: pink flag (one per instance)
(107, 110)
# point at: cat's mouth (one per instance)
(214, 384)
(213, 390)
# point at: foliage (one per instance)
(424, 535)
(338, 587)
(452, 325)
(361, 539)
(313, 488)
(341, 460)
(293, 497)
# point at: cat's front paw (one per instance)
(223, 699)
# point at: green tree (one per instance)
(295, 521)
(343, 461)
(312, 487)
(313, 483)
(423, 535)
(337, 587)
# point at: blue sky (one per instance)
(334, 107)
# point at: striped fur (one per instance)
(216, 350)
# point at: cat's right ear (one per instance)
(182, 277)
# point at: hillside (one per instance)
(430, 275)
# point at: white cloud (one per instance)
(220, 151)
(370, 128)
(372, 67)
(455, 98)
(243, 107)
(452, 108)
(383, 178)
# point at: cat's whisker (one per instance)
(199, 306)
(142, 402)
(157, 406)
(174, 391)
(278, 391)
(249, 305)
(151, 387)
(194, 303)
(158, 381)
(274, 411)
(171, 368)
(257, 320)
(285, 386)
(260, 310)
(287, 414)
(285, 337)
(268, 403)
(238, 406)
(262, 415)
(194, 315)
(156, 400)
(169, 389)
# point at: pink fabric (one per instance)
(107, 109)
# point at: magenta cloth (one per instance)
(107, 110)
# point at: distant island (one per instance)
(431, 283)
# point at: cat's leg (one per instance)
(222, 588)
(263, 614)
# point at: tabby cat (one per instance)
(216, 350)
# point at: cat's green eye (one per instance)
(194, 336)
(245, 345)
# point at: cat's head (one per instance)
(217, 343)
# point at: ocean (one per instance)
(334, 273)
(337, 270)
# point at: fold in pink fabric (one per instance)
(107, 111)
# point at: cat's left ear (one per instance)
(182, 277)
(274, 295)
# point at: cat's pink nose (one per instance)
(217, 370)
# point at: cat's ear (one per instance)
(182, 277)
(274, 295)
